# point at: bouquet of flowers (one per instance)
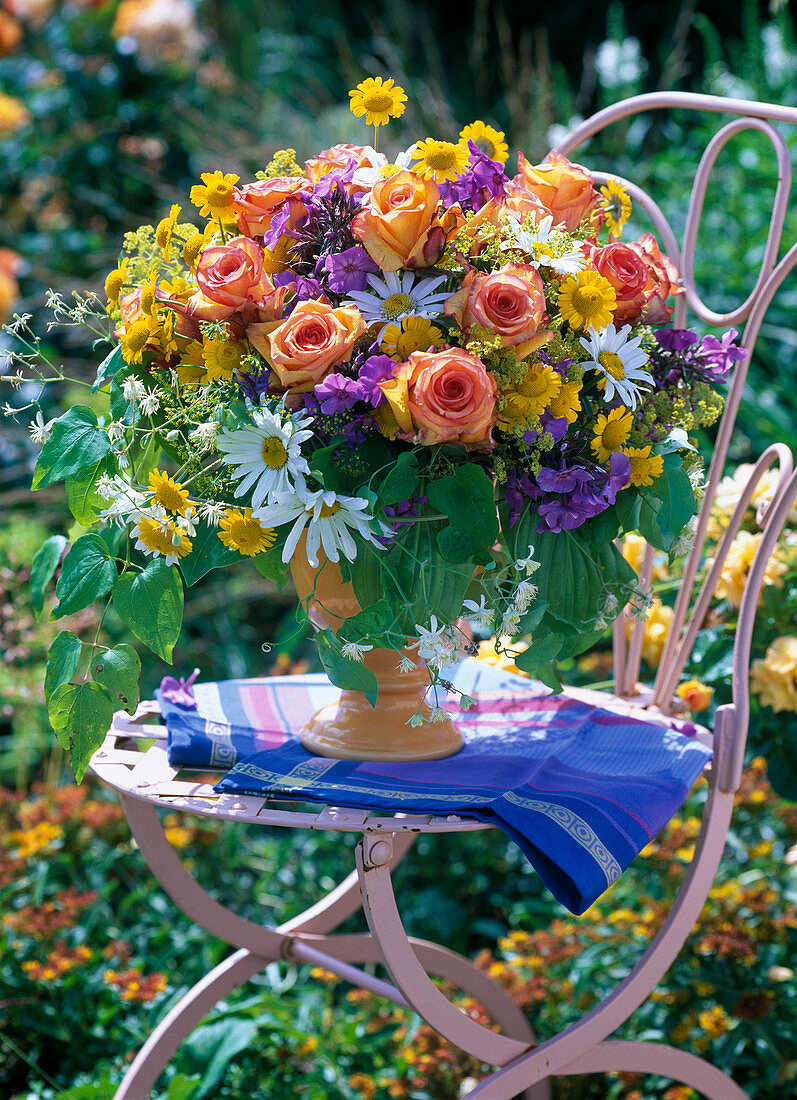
(448, 382)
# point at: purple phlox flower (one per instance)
(518, 489)
(338, 393)
(255, 385)
(565, 480)
(619, 476)
(483, 180)
(305, 289)
(675, 339)
(279, 222)
(720, 355)
(179, 691)
(348, 270)
(356, 430)
(336, 177)
(376, 369)
(561, 515)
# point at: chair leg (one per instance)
(155, 1054)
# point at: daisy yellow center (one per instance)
(612, 363)
(137, 335)
(614, 435)
(377, 100)
(229, 354)
(275, 454)
(219, 194)
(443, 158)
(170, 495)
(387, 171)
(397, 304)
(328, 510)
(588, 300)
(241, 531)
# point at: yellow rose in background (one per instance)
(774, 678)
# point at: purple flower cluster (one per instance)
(339, 392)
(682, 354)
(484, 179)
(570, 495)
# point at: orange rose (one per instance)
(442, 397)
(257, 203)
(10, 34)
(231, 280)
(517, 201)
(662, 279)
(565, 188)
(303, 348)
(510, 302)
(399, 227)
(628, 274)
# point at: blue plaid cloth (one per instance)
(580, 789)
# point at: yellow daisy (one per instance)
(241, 531)
(440, 160)
(567, 402)
(222, 358)
(193, 248)
(413, 334)
(165, 231)
(149, 290)
(166, 540)
(529, 398)
(645, 467)
(616, 205)
(489, 140)
(214, 195)
(587, 299)
(134, 339)
(379, 100)
(168, 493)
(386, 421)
(611, 432)
(115, 281)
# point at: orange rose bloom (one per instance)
(662, 279)
(509, 302)
(231, 280)
(304, 347)
(565, 188)
(517, 201)
(628, 274)
(257, 203)
(399, 227)
(10, 34)
(443, 396)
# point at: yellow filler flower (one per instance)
(379, 100)
(488, 139)
(214, 195)
(440, 160)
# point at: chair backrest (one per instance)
(691, 605)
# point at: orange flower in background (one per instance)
(399, 227)
(442, 397)
(163, 30)
(564, 188)
(655, 630)
(10, 34)
(697, 696)
(256, 204)
(10, 264)
(510, 302)
(34, 12)
(303, 348)
(13, 114)
(774, 678)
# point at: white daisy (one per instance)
(39, 431)
(329, 519)
(396, 295)
(375, 164)
(540, 251)
(267, 455)
(620, 361)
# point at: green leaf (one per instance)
(44, 566)
(574, 578)
(88, 572)
(345, 674)
(438, 585)
(213, 1046)
(85, 503)
(667, 506)
(120, 408)
(151, 604)
(119, 670)
(271, 565)
(467, 498)
(81, 715)
(533, 617)
(402, 481)
(367, 576)
(372, 622)
(108, 368)
(537, 660)
(75, 442)
(207, 552)
(62, 661)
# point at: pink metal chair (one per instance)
(145, 780)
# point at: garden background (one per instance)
(109, 111)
